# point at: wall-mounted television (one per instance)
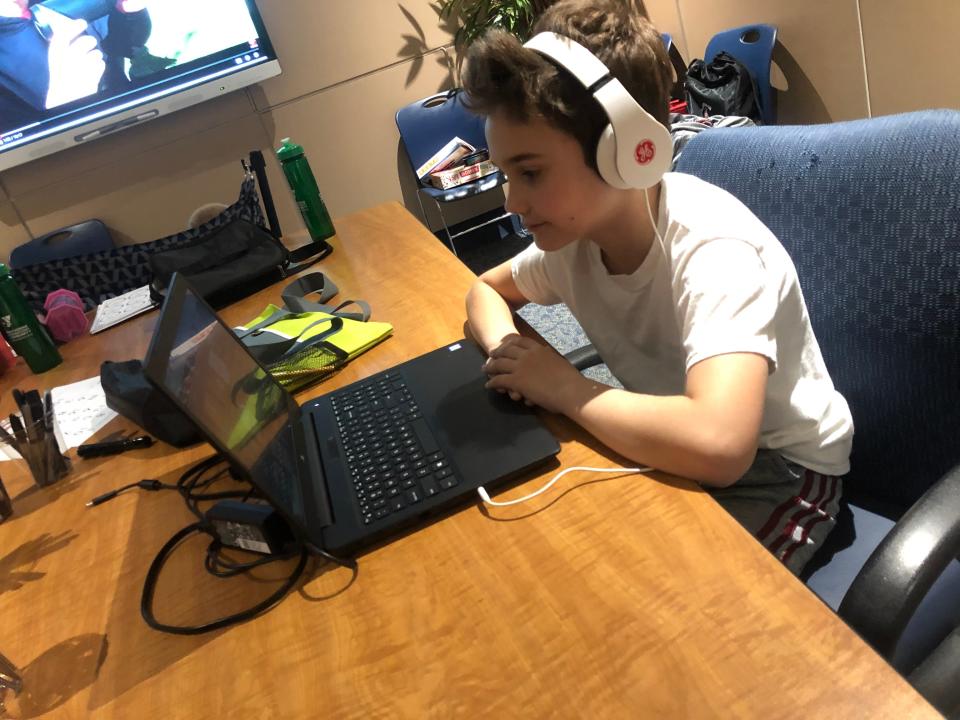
(72, 71)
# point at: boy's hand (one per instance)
(535, 373)
(514, 395)
(76, 63)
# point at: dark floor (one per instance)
(486, 247)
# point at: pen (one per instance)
(48, 410)
(31, 424)
(113, 447)
(34, 402)
(16, 426)
(9, 439)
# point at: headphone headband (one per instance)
(634, 150)
(579, 62)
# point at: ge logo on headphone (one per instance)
(645, 152)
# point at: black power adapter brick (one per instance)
(250, 526)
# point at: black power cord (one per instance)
(142, 484)
(150, 584)
(190, 486)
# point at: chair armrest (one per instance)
(936, 677)
(584, 357)
(884, 595)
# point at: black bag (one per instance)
(96, 277)
(225, 264)
(130, 393)
(230, 257)
(723, 86)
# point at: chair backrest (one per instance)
(90, 236)
(869, 210)
(427, 125)
(753, 46)
(679, 66)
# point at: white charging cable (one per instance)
(623, 471)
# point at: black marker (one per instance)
(114, 447)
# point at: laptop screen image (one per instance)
(239, 406)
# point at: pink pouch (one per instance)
(65, 317)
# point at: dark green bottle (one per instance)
(22, 329)
(305, 190)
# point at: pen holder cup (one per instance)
(42, 455)
(10, 682)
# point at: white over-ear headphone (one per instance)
(634, 150)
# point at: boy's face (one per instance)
(559, 197)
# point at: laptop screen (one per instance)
(205, 369)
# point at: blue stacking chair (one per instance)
(753, 46)
(426, 126)
(90, 236)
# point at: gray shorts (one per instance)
(787, 507)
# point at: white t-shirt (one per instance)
(725, 285)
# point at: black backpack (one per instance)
(723, 86)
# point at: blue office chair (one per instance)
(753, 46)
(869, 210)
(426, 126)
(84, 238)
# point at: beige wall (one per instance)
(349, 64)
(912, 53)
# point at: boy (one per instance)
(689, 299)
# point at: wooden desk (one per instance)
(610, 596)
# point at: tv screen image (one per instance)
(75, 70)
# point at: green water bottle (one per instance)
(305, 190)
(22, 329)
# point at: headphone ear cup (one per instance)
(649, 153)
(607, 159)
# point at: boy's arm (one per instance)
(490, 305)
(708, 434)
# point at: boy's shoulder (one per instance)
(681, 189)
(704, 210)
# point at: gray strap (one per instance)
(295, 294)
(266, 322)
(294, 297)
(362, 316)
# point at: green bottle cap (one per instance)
(4, 270)
(289, 150)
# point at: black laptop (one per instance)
(370, 460)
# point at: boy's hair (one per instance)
(503, 76)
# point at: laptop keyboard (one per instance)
(391, 453)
